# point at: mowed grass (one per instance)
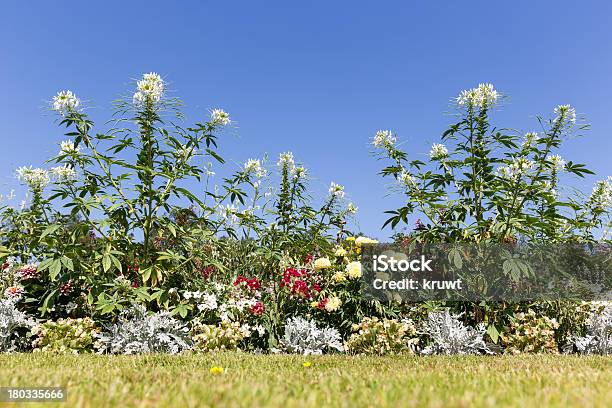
(330, 381)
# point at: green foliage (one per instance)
(380, 337)
(65, 336)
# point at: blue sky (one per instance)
(315, 77)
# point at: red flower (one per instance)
(300, 288)
(257, 309)
(322, 303)
(316, 287)
(207, 271)
(253, 284)
(135, 284)
(133, 268)
(308, 259)
(66, 288)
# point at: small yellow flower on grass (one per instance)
(216, 370)
(307, 364)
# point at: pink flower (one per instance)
(27, 272)
(14, 291)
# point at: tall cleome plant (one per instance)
(120, 219)
(486, 184)
(490, 184)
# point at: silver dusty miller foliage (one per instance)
(450, 336)
(304, 337)
(11, 319)
(598, 339)
(138, 332)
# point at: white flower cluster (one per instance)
(150, 88)
(438, 151)
(516, 169)
(351, 208)
(566, 115)
(557, 162)
(63, 173)
(530, 139)
(384, 139)
(37, 179)
(601, 197)
(220, 117)
(304, 337)
(286, 159)
(65, 102)
(406, 179)
(336, 190)
(254, 167)
(450, 336)
(69, 147)
(483, 96)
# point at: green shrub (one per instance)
(386, 336)
(530, 333)
(65, 336)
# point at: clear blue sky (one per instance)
(315, 77)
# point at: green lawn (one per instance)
(256, 381)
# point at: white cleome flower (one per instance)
(63, 173)
(149, 89)
(530, 139)
(336, 190)
(557, 162)
(69, 147)
(286, 159)
(65, 102)
(351, 208)
(406, 179)
(483, 96)
(601, 197)
(438, 151)
(253, 166)
(220, 117)
(36, 179)
(566, 115)
(517, 168)
(299, 172)
(384, 138)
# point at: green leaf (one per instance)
(106, 262)
(49, 230)
(55, 268)
(493, 333)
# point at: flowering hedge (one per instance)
(112, 253)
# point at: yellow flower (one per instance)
(333, 304)
(216, 370)
(350, 239)
(322, 263)
(364, 240)
(340, 252)
(339, 277)
(314, 304)
(353, 270)
(306, 364)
